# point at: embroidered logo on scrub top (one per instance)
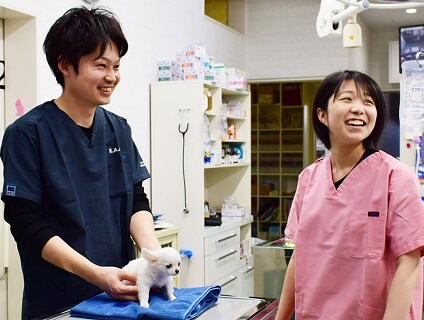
(113, 150)
(11, 189)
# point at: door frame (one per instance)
(20, 56)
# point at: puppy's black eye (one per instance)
(179, 264)
(168, 266)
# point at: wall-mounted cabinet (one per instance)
(282, 145)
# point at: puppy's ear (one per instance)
(150, 256)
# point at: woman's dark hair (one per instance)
(79, 32)
(330, 87)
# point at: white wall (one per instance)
(379, 57)
(281, 42)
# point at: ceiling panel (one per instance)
(392, 18)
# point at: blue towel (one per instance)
(189, 303)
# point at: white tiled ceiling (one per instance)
(391, 18)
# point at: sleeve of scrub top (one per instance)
(26, 224)
(22, 180)
(21, 161)
(405, 222)
(140, 172)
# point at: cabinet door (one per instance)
(246, 283)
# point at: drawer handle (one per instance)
(232, 235)
(226, 255)
(232, 278)
(249, 269)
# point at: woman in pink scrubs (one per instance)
(357, 218)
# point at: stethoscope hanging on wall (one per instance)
(183, 128)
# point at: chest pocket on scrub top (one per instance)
(117, 163)
(366, 234)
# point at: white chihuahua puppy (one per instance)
(155, 269)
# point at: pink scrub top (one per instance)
(347, 239)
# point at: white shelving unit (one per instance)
(217, 257)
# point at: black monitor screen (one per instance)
(411, 41)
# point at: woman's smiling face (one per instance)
(350, 117)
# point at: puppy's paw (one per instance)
(171, 297)
(144, 304)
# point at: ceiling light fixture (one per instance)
(411, 10)
(352, 33)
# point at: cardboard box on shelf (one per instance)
(265, 189)
(237, 83)
(233, 212)
(209, 76)
(167, 65)
(265, 94)
(220, 70)
(197, 50)
(235, 72)
(291, 95)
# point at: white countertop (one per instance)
(228, 224)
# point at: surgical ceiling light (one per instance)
(352, 33)
(333, 12)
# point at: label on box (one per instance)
(167, 65)
(192, 76)
(233, 212)
(165, 78)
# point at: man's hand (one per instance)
(119, 284)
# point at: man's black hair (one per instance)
(79, 32)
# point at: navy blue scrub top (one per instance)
(85, 189)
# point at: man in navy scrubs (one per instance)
(73, 177)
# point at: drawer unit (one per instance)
(230, 284)
(222, 240)
(222, 262)
(226, 253)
